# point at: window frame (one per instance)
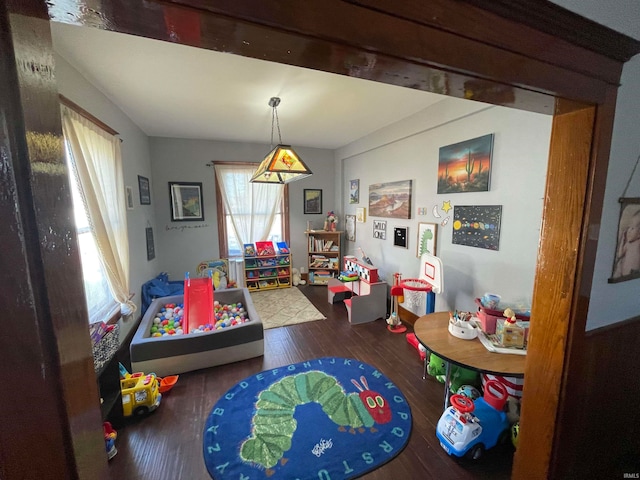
(223, 247)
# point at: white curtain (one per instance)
(97, 162)
(251, 206)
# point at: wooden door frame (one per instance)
(445, 46)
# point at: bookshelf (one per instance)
(323, 255)
(267, 267)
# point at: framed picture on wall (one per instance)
(466, 166)
(626, 263)
(427, 236)
(361, 214)
(186, 201)
(145, 191)
(350, 227)
(354, 191)
(129, 197)
(151, 249)
(312, 201)
(477, 226)
(400, 237)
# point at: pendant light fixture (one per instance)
(282, 164)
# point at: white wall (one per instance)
(408, 150)
(136, 161)
(183, 245)
(611, 303)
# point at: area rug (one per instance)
(330, 418)
(286, 306)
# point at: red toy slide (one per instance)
(411, 338)
(198, 302)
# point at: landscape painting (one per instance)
(391, 199)
(465, 166)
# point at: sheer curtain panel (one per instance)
(251, 206)
(98, 166)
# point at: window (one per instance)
(100, 302)
(252, 206)
(95, 159)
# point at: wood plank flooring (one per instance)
(167, 444)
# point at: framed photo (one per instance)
(354, 191)
(151, 249)
(129, 197)
(145, 192)
(400, 237)
(391, 199)
(427, 238)
(626, 263)
(312, 201)
(186, 201)
(466, 166)
(361, 214)
(380, 229)
(350, 227)
(477, 226)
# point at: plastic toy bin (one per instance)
(489, 317)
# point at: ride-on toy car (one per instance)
(467, 428)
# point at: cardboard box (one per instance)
(512, 334)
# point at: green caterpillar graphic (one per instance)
(273, 424)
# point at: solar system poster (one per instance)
(477, 226)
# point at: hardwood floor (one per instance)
(168, 443)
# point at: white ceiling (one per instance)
(170, 90)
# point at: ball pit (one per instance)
(169, 319)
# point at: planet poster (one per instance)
(477, 226)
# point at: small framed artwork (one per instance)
(350, 227)
(312, 201)
(354, 191)
(129, 197)
(145, 191)
(626, 263)
(151, 249)
(361, 214)
(466, 166)
(380, 229)
(400, 237)
(477, 226)
(186, 201)
(427, 237)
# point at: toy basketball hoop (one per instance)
(415, 293)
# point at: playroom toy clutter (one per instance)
(140, 393)
(460, 325)
(506, 324)
(331, 223)
(469, 427)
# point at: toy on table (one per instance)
(348, 276)
(511, 316)
(110, 436)
(469, 427)
(397, 296)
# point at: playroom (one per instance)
(294, 273)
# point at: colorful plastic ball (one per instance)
(468, 391)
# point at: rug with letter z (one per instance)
(333, 418)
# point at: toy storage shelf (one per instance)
(267, 271)
(323, 255)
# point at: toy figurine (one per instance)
(511, 316)
(331, 223)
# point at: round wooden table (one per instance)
(432, 332)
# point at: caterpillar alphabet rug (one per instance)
(329, 418)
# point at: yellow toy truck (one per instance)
(140, 394)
